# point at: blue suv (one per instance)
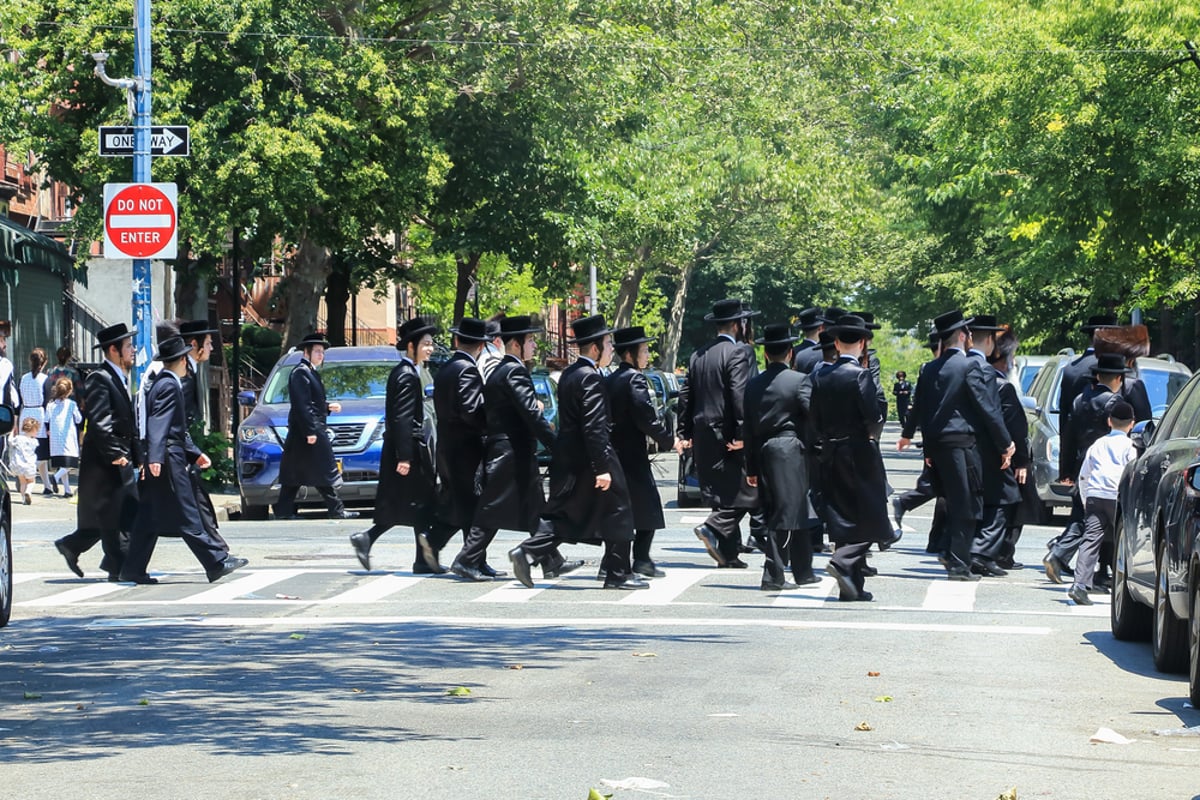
(356, 377)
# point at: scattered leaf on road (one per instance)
(357, 691)
(883, 698)
(595, 795)
(872, 674)
(32, 696)
(296, 636)
(863, 726)
(143, 702)
(287, 597)
(516, 666)
(645, 655)
(1011, 794)
(459, 691)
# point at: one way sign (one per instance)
(165, 140)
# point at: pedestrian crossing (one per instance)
(917, 590)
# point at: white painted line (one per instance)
(665, 589)
(82, 593)
(375, 590)
(27, 577)
(692, 519)
(515, 592)
(944, 595)
(1089, 611)
(812, 596)
(294, 623)
(232, 590)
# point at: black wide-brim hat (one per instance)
(470, 329)
(810, 319)
(949, 322)
(780, 333)
(587, 329)
(850, 325)
(628, 337)
(312, 340)
(518, 326)
(729, 310)
(1110, 364)
(172, 348)
(111, 335)
(869, 319)
(196, 327)
(984, 322)
(1099, 321)
(413, 330)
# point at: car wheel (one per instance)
(1194, 648)
(1169, 644)
(1130, 620)
(254, 513)
(6, 593)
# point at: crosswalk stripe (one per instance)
(375, 590)
(77, 595)
(663, 590)
(242, 586)
(28, 577)
(812, 596)
(514, 592)
(943, 595)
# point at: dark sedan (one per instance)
(1156, 567)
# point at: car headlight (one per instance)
(249, 434)
(1052, 449)
(378, 433)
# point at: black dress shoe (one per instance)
(807, 581)
(628, 582)
(870, 572)
(343, 514)
(114, 577)
(361, 543)
(491, 572)
(225, 567)
(846, 587)
(469, 573)
(745, 548)
(736, 563)
(768, 586)
(647, 569)
(1054, 568)
(898, 514)
(711, 543)
(521, 566)
(1100, 585)
(1009, 564)
(960, 574)
(71, 557)
(862, 597)
(988, 569)
(142, 580)
(429, 555)
(419, 567)
(561, 568)
(897, 535)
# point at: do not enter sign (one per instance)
(140, 220)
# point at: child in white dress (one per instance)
(63, 418)
(22, 456)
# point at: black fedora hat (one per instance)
(587, 329)
(1110, 364)
(947, 323)
(172, 348)
(826, 340)
(850, 328)
(810, 319)
(414, 329)
(833, 314)
(780, 333)
(985, 323)
(111, 335)
(729, 310)
(628, 337)
(470, 329)
(196, 327)
(518, 326)
(869, 319)
(313, 339)
(1099, 321)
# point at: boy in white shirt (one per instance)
(1098, 480)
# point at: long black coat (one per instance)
(461, 426)
(108, 496)
(582, 450)
(512, 496)
(957, 403)
(777, 423)
(807, 356)
(169, 505)
(404, 499)
(854, 487)
(634, 418)
(714, 415)
(1076, 376)
(1000, 485)
(305, 464)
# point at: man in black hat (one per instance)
(512, 485)
(170, 505)
(871, 364)
(1077, 376)
(493, 348)
(197, 334)
(923, 492)
(634, 418)
(712, 424)
(778, 424)
(308, 458)
(407, 479)
(999, 484)
(589, 499)
(807, 354)
(461, 427)
(956, 408)
(845, 410)
(108, 458)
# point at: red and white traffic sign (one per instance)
(140, 220)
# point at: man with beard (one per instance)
(197, 334)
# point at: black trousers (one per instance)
(799, 554)
(208, 514)
(957, 479)
(209, 551)
(114, 543)
(285, 506)
(724, 522)
(991, 532)
(851, 559)
(475, 545)
(774, 546)
(1066, 543)
(642, 540)
(542, 548)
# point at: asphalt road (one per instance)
(304, 677)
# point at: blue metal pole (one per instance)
(143, 314)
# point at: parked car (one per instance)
(1156, 569)
(1164, 377)
(6, 561)
(687, 491)
(1025, 369)
(664, 393)
(547, 391)
(356, 377)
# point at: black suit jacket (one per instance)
(807, 356)
(305, 464)
(108, 493)
(461, 426)
(634, 418)
(777, 404)
(958, 402)
(1076, 376)
(714, 415)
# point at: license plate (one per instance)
(339, 466)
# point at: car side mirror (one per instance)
(1142, 433)
(1192, 480)
(246, 398)
(429, 390)
(1029, 403)
(7, 416)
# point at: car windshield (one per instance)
(545, 393)
(344, 380)
(1162, 386)
(1027, 376)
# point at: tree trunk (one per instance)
(631, 283)
(462, 286)
(337, 296)
(670, 352)
(304, 286)
(1166, 329)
